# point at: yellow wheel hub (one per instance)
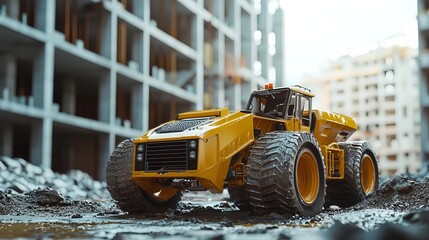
(163, 195)
(155, 190)
(307, 177)
(367, 174)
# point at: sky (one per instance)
(317, 32)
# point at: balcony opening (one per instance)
(134, 6)
(159, 113)
(81, 88)
(211, 66)
(21, 141)
(130, 46)
(212, 7)
(24, 82)
(169, 16)
(17, 136)
(129, 103)
(25, 11)
(75, 148)
(84, 23)
(17, 80)
(169, 65)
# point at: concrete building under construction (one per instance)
(380, 90)
(79, 76)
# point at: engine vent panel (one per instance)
(181, 125)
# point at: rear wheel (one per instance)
(286, 174)
(128, 195)
(361, 176)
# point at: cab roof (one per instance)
(296, 88)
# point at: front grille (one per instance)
(180, 126)
(166, 156)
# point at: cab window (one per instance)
(299, 107)
(305, 110)
(268, 103)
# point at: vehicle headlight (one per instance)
(193, 144)
(192, 154)
(140, 147)
(139, 157)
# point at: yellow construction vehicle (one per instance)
(277, 155)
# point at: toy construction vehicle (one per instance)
(277, 155)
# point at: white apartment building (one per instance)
(379, 89)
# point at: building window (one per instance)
(389, 74)
(389, 98)
(389, 89)
(390, 112)
(388, 61)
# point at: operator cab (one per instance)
(282, 103)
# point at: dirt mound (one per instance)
(28, 190)
(415, 225)
(50, 203)
(400, 193)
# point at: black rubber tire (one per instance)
(349, 191)
(270, 177)
(128, 195)
(238, 196)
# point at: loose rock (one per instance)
(46, 196)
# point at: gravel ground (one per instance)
(38, 203)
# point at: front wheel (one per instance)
(128, 195)
(238, 196)
(286, 174)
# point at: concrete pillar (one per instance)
(198, 32)
(145, 106)
(41, 143)
(106, 32)
(68, 102)
(106, 142)
(41, 11)
(146, 13)
(221, 67)
(137, 49)
(104, 95)
(136, 107)
(146, 67)
(43, 74)
(43, 91)
(6, 140)
(8, 76)
(36, 142)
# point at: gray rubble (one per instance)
(20, 176)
